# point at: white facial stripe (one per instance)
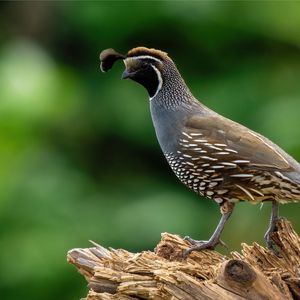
(146, 57)
(160, 81)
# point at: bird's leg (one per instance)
(226, 211)
(272, 227)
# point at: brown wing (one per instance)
(235, 162)
(249, 145)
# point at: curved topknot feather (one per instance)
(108, 57)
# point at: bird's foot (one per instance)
(268, 237)
(201, 245)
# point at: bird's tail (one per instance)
(288, 189)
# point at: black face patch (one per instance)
(144, 74)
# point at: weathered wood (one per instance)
(255, 273)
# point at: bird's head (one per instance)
(143, 65)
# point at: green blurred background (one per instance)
(79, 158)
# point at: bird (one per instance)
(212, 155)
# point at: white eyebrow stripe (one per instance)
(145, 57)
(160, 80)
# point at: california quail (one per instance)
(212, 155)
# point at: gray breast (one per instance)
(168, 125)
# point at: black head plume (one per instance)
(108, 57)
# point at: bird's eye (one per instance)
(144, 66)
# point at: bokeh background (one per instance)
(79, 158)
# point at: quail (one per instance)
(212, 155)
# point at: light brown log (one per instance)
(255, 273)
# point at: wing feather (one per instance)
(241, 142)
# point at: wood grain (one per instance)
(254, 273)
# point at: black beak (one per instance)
(126, 74)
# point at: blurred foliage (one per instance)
(78, 154)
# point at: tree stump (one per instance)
(255, 273)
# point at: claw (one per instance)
(201, 245)
(268, 238)
(190, 240)
(223, 244)
(271, 245)
(214, 239)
